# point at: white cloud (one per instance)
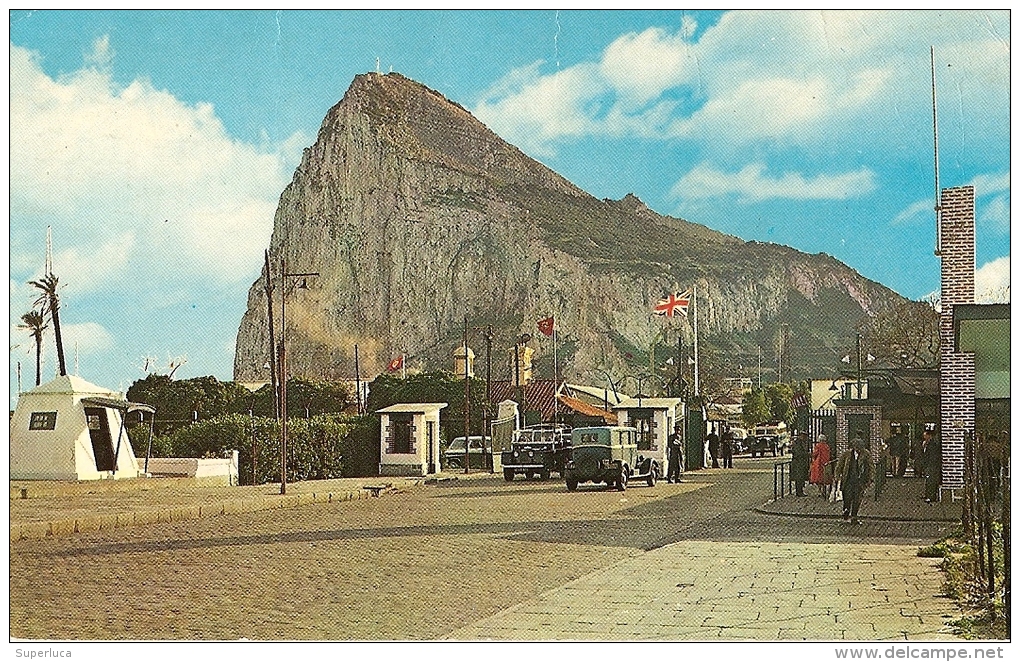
(914, 211)
(136, 184)
(87, 337)
(991, 281)
(810, 78)
(753, 184)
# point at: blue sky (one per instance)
(156, 144)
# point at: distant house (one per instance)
(546, 401)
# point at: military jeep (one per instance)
(536, 451)
(608, 455)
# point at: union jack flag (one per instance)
(672, 304)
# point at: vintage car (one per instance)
(536, 451)
(608, 455)
(478, 456)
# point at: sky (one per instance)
(155, 145)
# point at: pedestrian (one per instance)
(931, 461)
(854, 474)
(727, 449)
(820, 457)
(898, 452)
(674, 446)
(713, 448)
(881, 467)
(800, 464)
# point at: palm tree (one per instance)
(50, 302)
(35, 323)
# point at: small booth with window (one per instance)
(409, 439)
(654, 419)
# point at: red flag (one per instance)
(546, 326)
(396, 364)
(673, 303)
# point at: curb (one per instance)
(179, 513)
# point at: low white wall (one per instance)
(193, 467)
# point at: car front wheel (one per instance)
(508, 475)
(652, 476)
(571, 484)
(453, 464)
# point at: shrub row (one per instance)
(320, 447)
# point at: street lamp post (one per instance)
(284, 275)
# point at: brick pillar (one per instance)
(956, 379)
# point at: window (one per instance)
(643, 420)
(401, 424)
(43, 420)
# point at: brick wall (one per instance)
(956, 379)
(843, 431)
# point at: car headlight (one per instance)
(516, 453)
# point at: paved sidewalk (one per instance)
(900, 500)
(738, 591)
(49, 508)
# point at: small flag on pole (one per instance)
(546, 326)
(672, 304)
(395, 364)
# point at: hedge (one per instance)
(318, 448)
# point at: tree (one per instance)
(35, 323)
(50, 302)
(755, 409)
(778, 397)
(905, 336)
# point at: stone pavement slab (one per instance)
(712, 599)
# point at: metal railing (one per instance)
(781, 483)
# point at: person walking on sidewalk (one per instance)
(675, 446)
(727, 449)
(854, 474)
(713, 448)
(820, 457)
(800, 463)
(881, 467)
(931, 460)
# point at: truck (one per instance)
(537, 451)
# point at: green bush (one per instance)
(320, 447)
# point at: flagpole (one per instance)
(403, 366)
(694, 302)
(556, 378)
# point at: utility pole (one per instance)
(272, 341)
(283, 368)
(860, 368)
(467, 403)
(357, 379)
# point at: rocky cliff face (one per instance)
(416, 216)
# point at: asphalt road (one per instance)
(415, 565)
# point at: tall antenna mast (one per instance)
(49, 250)
(935, 133)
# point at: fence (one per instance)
(986, 503)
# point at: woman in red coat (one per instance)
(820, 457)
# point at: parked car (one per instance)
(763, 444)
(607, 455)
(479, 457)
(538, 450)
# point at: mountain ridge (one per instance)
(417, 215)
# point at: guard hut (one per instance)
(654, 419)
(409, 439)
(69, 429)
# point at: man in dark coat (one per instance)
(931, 461)
(727, 449)
(675, 448)
(800, 464)
(854, 473)
(713, 448)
